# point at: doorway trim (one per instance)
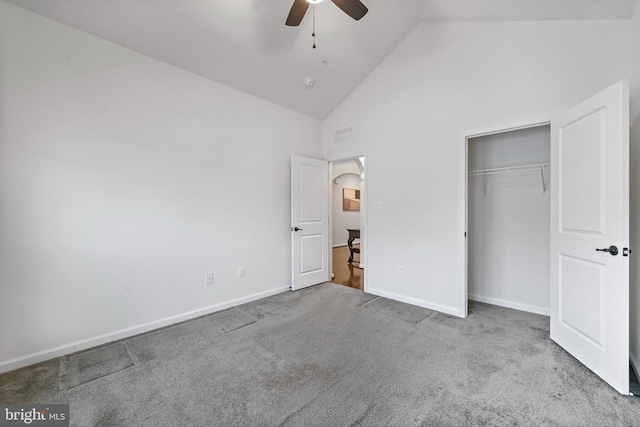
(364, 213)
(463, 203)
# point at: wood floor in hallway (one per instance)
(344, 273)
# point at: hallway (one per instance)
(344, 273)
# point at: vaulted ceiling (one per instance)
(245, 44)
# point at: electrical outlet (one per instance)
(401, 270)
(209, 279)
(240, 272)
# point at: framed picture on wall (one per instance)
(350, 199)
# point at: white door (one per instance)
(590, 212)
(309, 222)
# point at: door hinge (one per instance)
(626, 251)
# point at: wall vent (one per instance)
(342, 134)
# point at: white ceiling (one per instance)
(245, 44)
(521, 10)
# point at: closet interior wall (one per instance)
(509, 220)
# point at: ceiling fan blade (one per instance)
(353, 8)
(298, 9)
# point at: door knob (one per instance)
(613, 250)
(297, 229)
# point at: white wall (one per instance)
(442, 80)
(123, 181)
(508, 240)
(341, 220)
(635, 81)
(634, 120)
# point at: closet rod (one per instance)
(510, 169)
(525, 168)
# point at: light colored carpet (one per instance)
(91, 365)
(330, 356)
(401, 310)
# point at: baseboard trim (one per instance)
(339, 245)
(41, 356)
(414, 301)
(510, 304)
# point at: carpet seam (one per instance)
(209, 320)
(62, 372)
(395, 317)
(244, 312)
(391, 315)
(371, 300)
(429, 317)
(132, 355)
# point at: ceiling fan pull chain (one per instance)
(314, 27)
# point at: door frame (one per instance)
(463, 281)
(364, 214)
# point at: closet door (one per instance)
(590, 234)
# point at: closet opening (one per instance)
(508, 218)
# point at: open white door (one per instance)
(589, 213)
(309, 222)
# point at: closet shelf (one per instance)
(484, 173)
(510, 169)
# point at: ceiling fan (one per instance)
(353, 8)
